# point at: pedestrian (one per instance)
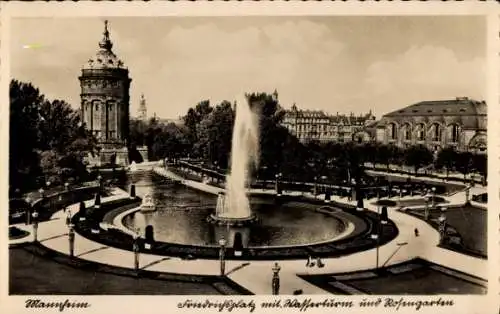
(416, 232)
(320, 263)
(308, 261)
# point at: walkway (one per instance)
(256, 275)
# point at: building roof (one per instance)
(104, 58)
(469, 113)
(335, 119)
(461, 106)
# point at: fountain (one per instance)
(133, 167)
(148, 204)
(233, 205)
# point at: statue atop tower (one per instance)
(105, 85)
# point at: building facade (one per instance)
(315, 125)
(105, 99)
(460, 123)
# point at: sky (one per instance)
(336, 64)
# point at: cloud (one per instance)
(177, 62)
(219, 64)
(425, 72)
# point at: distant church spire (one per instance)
(275, 95)
(106, 43)
(143, 111)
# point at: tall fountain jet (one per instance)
(234, 205)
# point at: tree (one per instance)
(137, 132)
(58, 126)
(418, 156)
(169, 142)
(214, 134)
(46, 137)
(194, 117)
(384, 155)
(272, 135)
(446, 159)
(480, 163)
(25, 101)
(464, 163)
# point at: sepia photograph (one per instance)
(332, 156)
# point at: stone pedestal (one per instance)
(106, 153)
(143, 150)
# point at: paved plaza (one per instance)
(255, 276)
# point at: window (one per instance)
(454, 133)
(392, 131)
(421, 132)
(407, 132)
(436, 132)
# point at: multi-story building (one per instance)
(460, 123)
(315, 125)
(105, 111)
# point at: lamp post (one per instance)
(135, 248)
(442, 227)
(376, 238)
(276, 279)
(278, 190)
(378, 203)
(467, 193)
(433, 196)
(99, 178)
(66, 186)
(71, 239)
(35, 225)
(222, 252)
(426, 210)
(42, 192)
(315, 186)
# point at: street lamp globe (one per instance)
(433, 189)
(442, 218)
(35, 214)
(222, 242)
(48, 183)
(136, 234)
(41, 191)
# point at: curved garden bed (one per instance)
(16, 233)
(466, 228)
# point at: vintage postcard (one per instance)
(250, 157)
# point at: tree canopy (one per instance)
(47, 138)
